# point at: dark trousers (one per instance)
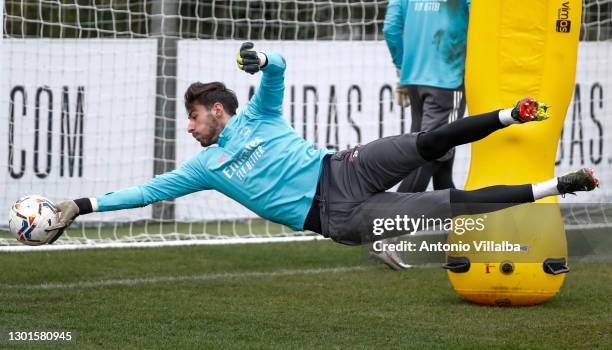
(432, 108)
(352, 186)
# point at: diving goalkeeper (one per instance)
(256, 158)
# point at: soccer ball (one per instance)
(30, 216)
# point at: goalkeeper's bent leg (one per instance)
(434, 144)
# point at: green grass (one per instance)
(364, 308)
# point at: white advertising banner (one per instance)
(76, 119)
(339, 94)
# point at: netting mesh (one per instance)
(253, 20)
(596, 20)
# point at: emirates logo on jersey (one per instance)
(246, 159)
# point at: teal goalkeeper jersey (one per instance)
(427, 40)
(259, 161)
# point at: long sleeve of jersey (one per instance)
(393, 29)
(268, 98)
(177, 183)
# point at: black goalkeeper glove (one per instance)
(69, 210)
(250, 60)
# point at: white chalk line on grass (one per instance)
(168, 279)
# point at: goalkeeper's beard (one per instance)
(212, 137)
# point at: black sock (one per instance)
(434, 144)
(489, 199)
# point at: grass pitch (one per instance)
(283, 295)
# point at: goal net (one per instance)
(91, 102)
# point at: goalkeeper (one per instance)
(261, 162)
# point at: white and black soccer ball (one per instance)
(30, 216)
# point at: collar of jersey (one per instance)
(227, 131)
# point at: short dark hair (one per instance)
(210, 93)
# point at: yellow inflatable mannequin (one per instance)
(517, 48)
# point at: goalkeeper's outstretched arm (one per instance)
(182, 181)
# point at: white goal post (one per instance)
(91, 102)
